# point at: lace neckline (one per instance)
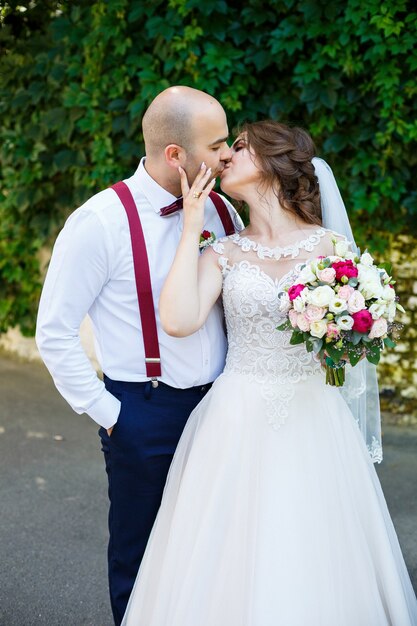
(293, 250)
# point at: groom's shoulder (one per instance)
(103, 207)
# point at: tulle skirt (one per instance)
(264, 527)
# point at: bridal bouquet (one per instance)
(343, 308)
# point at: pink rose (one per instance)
(379, 328)
(362, 321)
(293, 317)
(327, 275)
(345, 292)
(356, 302)
(345, 268)
(314, 313)
(294, 291)
(333, 331)
(303, 323)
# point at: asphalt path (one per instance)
(53, 504)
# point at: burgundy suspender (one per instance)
(143, 282)
(143, 277)
(224, 214)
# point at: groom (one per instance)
(99, 267)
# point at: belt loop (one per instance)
(147, 392)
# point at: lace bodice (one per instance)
(254, 279)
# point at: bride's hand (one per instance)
(194, 197)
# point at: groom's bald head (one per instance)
(184, 127)
(175, 116)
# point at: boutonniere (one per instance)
(206, 239)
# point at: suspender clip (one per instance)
(154, 382)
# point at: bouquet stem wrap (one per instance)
(335, 374)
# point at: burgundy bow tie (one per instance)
(171, 208)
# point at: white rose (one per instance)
(345, 322)
(356, 302)
(366, 259)
(371, 289)
(321, 296)
(366, 273)
(306, 275)
(370, 286)
(377, 309)
(337, 305)
(298, 304)
(388, 294)
(341, 247)
(378, 328)
(318, 329)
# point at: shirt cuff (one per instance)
(105, 411)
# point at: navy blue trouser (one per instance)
(138, 455)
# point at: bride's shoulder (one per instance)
(332, 234)
(223, 244)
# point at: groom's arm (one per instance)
(80, 266)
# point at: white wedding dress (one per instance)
(272, 514)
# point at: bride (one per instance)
(272, 514)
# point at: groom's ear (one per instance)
(175, 155)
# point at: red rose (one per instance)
(206, 234)
(362, 321)
(294, 291)
(345, 268)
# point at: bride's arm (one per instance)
(194, 283)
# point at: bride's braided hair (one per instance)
(284, 155)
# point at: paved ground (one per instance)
(53, 504)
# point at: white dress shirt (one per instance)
(91, 272)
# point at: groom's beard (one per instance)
(193, 168)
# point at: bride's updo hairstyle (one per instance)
(284, 155)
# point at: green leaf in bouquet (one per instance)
(356, 337)
(399, 307)
(284, 326)
(354, 355)
(353, 282)
(389, 342)
(335, 353)
(309, 345)
(296, 337)
(317, 345)
(374, 354)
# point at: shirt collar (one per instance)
(157, 196)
